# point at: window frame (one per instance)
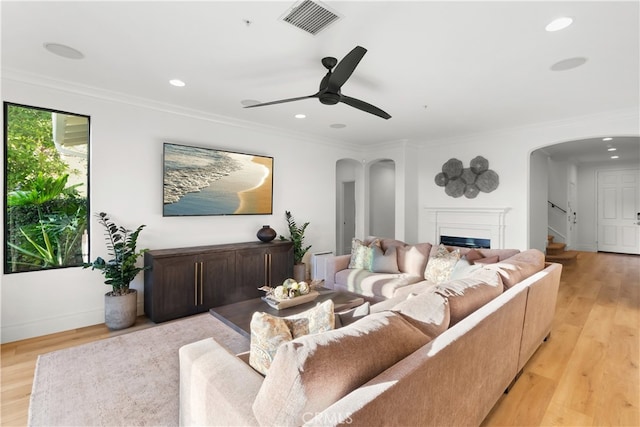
(6, 265)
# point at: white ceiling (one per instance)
(441, 69)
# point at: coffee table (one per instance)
(238, 315)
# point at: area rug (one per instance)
(127, 380)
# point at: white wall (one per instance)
(587, 215)
(382, 196)
(508, 152)
(126, 182)
(558, 195)
(538, 197)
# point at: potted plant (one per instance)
(296, 235)
(121, 302)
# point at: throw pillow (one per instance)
(427, 311)
(361, 253)
(384, 261)
(412, 259)
(313, 321)
(347, 317)
(473, 255)
(268, 332)
(440, 265)
(463, 268)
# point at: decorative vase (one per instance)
(266, 233)
(300, 272)
(120, 311)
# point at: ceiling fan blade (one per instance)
(345, 68)
(282, 101)
(361, 105)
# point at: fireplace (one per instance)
(483, 225)
(466, 242)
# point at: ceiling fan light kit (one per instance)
(330, 86)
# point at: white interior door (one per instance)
(619, 211)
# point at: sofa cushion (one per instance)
(441, 264)
(384, 261)
(518, 267)
(370, 284)
(463, 268)
(312, 372)
(467, 295)
(487, 260)
(412, 259)
(427, 311)
(268, 332)
(473, 255)
(362, 253)
(347, 317)
(502, 253)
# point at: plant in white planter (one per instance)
(299, 250)
(119, 271)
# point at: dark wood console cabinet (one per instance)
(187, 281)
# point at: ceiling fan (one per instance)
(329, 93)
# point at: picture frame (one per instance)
(200, 181)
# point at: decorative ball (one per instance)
(455, 188)
(468, 176)
(479, 164)
(441, 179)
(487, 181)
(452, 168)
(471, 191)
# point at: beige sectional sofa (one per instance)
(429, 354)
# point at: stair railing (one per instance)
(553, 205)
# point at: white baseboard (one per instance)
(54, 324)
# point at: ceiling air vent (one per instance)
(310, 16)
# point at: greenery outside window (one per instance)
(46, 187)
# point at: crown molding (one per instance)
(632, 113)
(39, 80)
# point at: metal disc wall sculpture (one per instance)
(459, 181)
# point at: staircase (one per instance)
(556, 252)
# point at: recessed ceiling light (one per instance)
(300, 116)
(249, 102)
(559, 24)
(611, 149)
(338, 126)
(568, 64)
(176, 83)
(607, 139)
(63, 50)
(615, 157)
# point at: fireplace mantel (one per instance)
(484, 223)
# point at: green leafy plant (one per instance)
(297, 237)
(53, 238)
(121, 245)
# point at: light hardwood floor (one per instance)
(586, 374)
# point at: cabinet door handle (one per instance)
(201, 282)
(266, 267)
(195, 283)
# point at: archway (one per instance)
(563, 192)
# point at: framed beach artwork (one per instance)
(206, 181)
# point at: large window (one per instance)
(46, 188)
